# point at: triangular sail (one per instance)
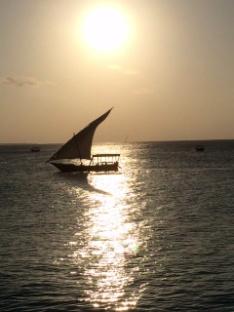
(79, 146)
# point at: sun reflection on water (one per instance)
(111, 240)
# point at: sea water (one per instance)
(157, 236)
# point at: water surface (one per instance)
(158, 236)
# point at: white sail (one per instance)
(79, 146)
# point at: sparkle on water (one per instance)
(109, 240)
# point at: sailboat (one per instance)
(75, 153)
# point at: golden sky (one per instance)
(165, 65)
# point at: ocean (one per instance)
(157, 236)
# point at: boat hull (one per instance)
(86, 168)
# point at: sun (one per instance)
(105, 29)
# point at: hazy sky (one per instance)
(174, 79)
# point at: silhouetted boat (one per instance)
(70, 156)
(200, 148)
(35, 149)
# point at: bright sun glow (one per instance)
(105, 29)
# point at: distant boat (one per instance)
(200, 148)
(73, 155)
(35, 149)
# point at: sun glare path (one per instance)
(111, 240)
(105, 29)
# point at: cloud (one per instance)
(22, 81)
(140, 81)
(122, 70)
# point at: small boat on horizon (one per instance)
(74, 154)
(35, 149)
(200, 148)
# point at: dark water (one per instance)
(159, 236)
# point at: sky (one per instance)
(173, 78)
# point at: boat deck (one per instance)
(101, 167)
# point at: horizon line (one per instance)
(134, 141)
